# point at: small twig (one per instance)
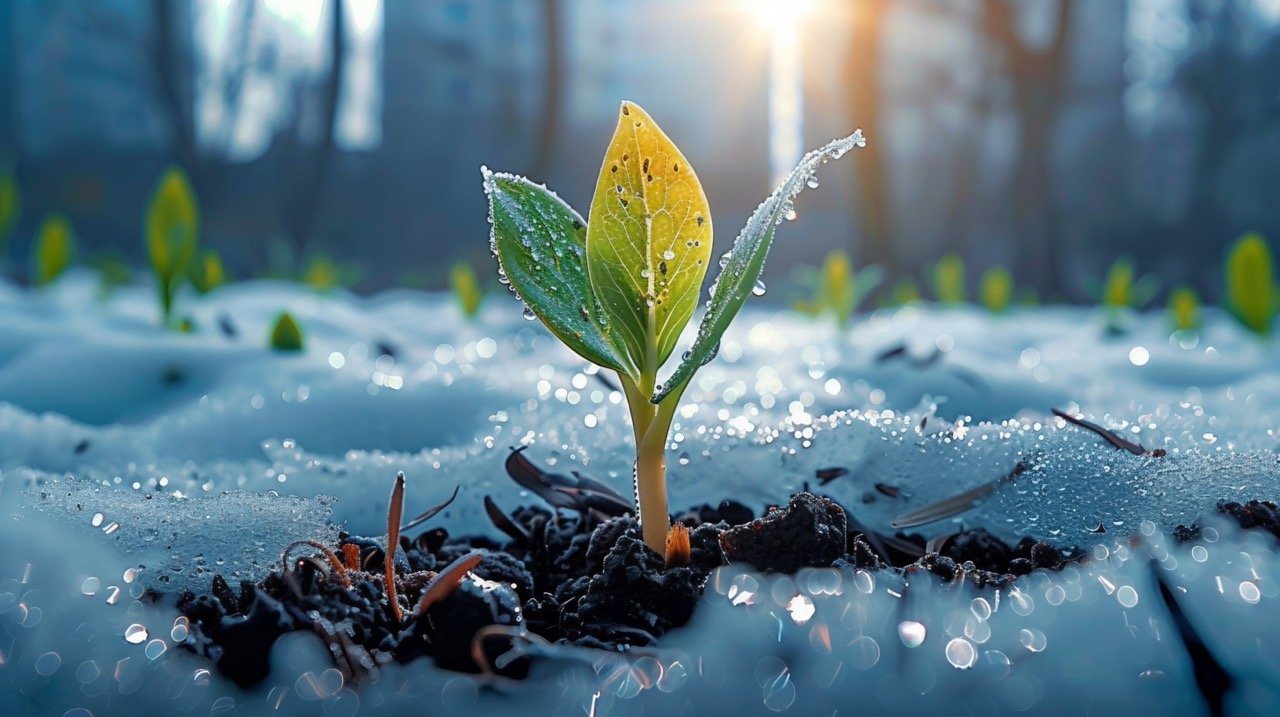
(956, 504)
(333, 558)
(1115, 439)
(430, 512)
(1212, 679)
(445, 582)
(504, 523)
(351, 556)
(394, 512)
(826, 475)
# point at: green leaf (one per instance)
(1117, 291)
(285, 334)
(10, 204)
(172, 226)
(540, 244)
(1184, 308)
(1250, 284)
(995, 289)
(904, 292)
(54, 249)
(207, 272)
(648, 239)
(948, 280)
(466, 288)
(836, 290)
(740, 269)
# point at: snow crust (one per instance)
(209, 447)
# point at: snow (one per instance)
(210, 446)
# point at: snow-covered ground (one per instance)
(132, 457)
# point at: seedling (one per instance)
(1251, 283)
(905, 291)
(324, 274)
(10, 205)
(207, 272)
(285, 334)
(618, 290)
(1121, 293)
(947, 280)
(837, 289)
(466, 288)
(1184, 309)
(995, 289)
(173, 235)
(54, 250)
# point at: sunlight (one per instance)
(781, 19)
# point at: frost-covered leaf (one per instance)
(740, 269)
(173, 225)
(55, 247)
(540, 243)
(1250, 283)
(648, 238)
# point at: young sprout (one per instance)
(207, 272)
(1251, 283)
(905, 291)
(285, 334)
(619, 289)
(1121, 293)
(10, 205)
(324, 274)
(466, 288)
(947, 280)
(995, 289)
(54, 250)
(837, 288)
(1184, 309)
(173, 235)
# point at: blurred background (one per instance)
(1048, 136)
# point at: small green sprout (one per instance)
(324, 274)
(285, 334)
(207, 272)
(1251, 283)
(54, 250)
(173, 235)
(1121, 293)
(113, 272)
(466, 288)
(905, 291)
(995, 289)
(619, 289)
(837, 289)
(1184, 309)
(947, 280)
(10, 205)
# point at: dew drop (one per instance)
(528, 314)
(912, 633)
(668, 255)
(135, 634)
(758, 289)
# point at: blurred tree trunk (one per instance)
(171, 67)
(1038, 78)
(863, 72)
(301, 210)
(552, 87)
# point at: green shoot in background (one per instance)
(947, 280)
(619, 289)
(995, 289)
(836, 288)
(466, 288)
(10, 205)
(905, 291)
(1184, 309)
(207, 272)
(324, 274)
(1250, 283)
(55, 248)
(1121, 293)
(285, 334)
(172, 230)
(113, 272)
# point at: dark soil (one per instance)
(1255, 515)
(565, 576)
